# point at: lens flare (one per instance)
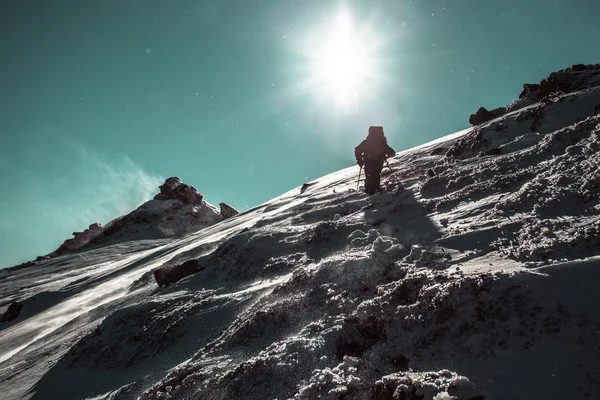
(342, 61)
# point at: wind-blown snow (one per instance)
(477, 282)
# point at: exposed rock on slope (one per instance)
(174, 189)
(482, 115)
(170, 274)
(569, 80)
(227, 211)
(557, 84)
(12, 312)
(80, 239)
(177, 210)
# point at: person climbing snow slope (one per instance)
(372, 153)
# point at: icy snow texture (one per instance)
(477, 281)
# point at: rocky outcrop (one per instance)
(166, 275)
(174, 189)
(177, 209)
(227, 211)
(12, 312)
(529, 88)
(483, 115)
(80, 239)
(569, 80)
(565, 81)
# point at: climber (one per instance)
(372, 153)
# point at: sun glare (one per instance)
(341, 61)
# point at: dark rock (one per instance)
(227, 211)
(565, 81)
(529, 88)
(430, 173)
(483, 115)
(166, 275)
(306, 186)
(80, 239)
(12, 312)
(174, 189)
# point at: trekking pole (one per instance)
(400, 186)
(358, 183)
(388, 165)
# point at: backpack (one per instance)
(375, 145)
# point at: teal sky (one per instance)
(100, 101)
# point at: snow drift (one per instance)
(472, 276)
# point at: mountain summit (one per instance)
(471, 276)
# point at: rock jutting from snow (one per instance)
(227, 211)
(176, 210)
(569, 80)
(175, 189)
(483, 115)
(560, 83)
(166, 275)
(12, 312)
(80, 239)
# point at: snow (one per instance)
(477, 282)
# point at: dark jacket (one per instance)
(373, 149)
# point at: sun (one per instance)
(342, 61)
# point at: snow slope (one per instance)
(477, 282)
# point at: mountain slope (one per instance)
(472, 276)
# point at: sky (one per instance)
(101, 101)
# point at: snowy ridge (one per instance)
(163, 218)
(177, 210)
(472, 276)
